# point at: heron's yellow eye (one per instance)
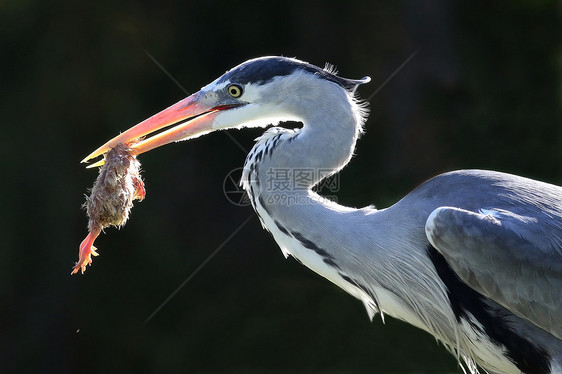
(235, 90)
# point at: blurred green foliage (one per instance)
(482, 92)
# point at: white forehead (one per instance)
(251, 91)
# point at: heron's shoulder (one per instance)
(481, 181)
(481, 189)
(457, 185)
(475, 176)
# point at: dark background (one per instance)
(483, 91)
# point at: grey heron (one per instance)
(472, 257)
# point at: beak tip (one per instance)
(96, 164)
(90, 157)
(101, 150)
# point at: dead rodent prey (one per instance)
(111, 198)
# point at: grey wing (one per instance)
(512, 259)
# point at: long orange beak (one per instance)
(191, 116)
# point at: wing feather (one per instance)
(513, 259)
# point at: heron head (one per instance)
(255, 93)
